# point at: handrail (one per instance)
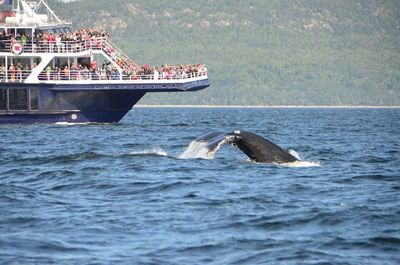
(15, 76)
(56, 47)
(83, 75)
(115, 48)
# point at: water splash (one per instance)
(294, 153)
(300, 162)
(204, 150)
(198, 150)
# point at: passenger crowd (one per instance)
(167, 71)
(19, 72)
(41, 41)
(71, 41)
(108, 72)
(16, 73)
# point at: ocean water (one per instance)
(122, 193)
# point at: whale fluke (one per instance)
(257, 148)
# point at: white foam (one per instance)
(63, 123)
(198, 150)
(302, 164)
(71, 123)
(154, 151)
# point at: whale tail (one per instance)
(206, 146)
(257, 148)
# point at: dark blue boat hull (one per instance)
(72, 103)
(70, 106)
(77, 107)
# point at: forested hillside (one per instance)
(275, 52)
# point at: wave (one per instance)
(83, 156)
(154, 151)
(62, 123)
(196, 150)
(146, 152)
(72, 123)
(302, 164)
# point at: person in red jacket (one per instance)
(51, 39)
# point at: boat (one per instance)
(50, 73)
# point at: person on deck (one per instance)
(19, 69)
(51, 39)
(66, 73)
(12, 71)
(2, 72)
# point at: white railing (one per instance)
(74, 75)
(16, 76)
(56, 47)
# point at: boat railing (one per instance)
(116, 53)
(74, 75)
(55, 47)
(16, 76)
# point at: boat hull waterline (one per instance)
(84, 103)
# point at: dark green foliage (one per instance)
(304, 52)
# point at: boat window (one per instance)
(34, 99)
(3, 99)
(61, 62)
(84, 61)
(18, 99)
(27, 32)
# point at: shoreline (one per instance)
(267, 107)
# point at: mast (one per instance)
(50, 11)
(34, 12)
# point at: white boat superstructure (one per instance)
(38, 47)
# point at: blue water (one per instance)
(121, 194)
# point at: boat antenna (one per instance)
(50, 11)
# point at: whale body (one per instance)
(257, 148)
